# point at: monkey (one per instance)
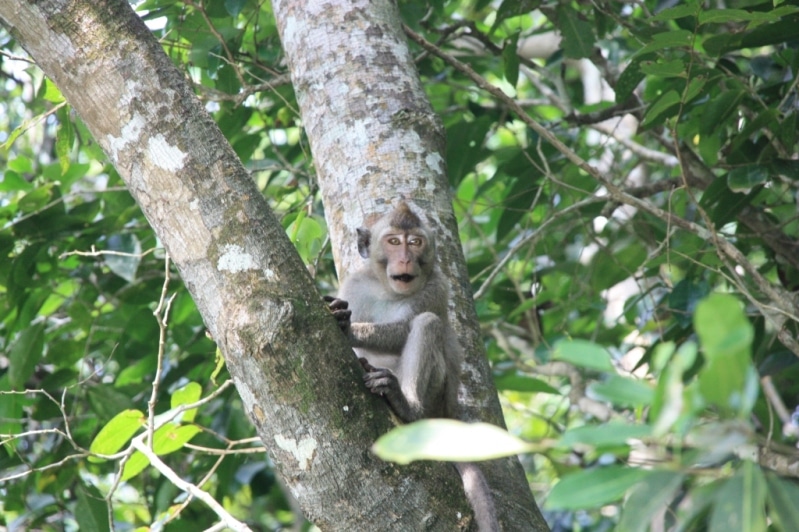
(394, 313)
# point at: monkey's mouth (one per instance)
(404, 278)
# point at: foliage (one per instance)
(641, 321)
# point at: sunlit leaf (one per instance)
(126, 257)
(135, 465)
(523, 383)
(623, 391)
(726, 338)
(740, 503)
(583, 353)
(117, 432)
(593, 488)
(448, 440)
(172, 437)
(608, 435)
(188, 394)
(782, 497)
(648, 497)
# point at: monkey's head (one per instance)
(400, 249)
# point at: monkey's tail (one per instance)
(479, 495)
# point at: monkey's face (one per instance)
(405, 258)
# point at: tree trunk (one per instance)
(293, 369)
(375, 139)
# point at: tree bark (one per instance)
(375, 139)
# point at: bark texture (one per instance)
(297, 377)
(375, 140)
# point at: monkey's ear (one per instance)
(364, 239)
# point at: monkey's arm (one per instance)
(384, 337)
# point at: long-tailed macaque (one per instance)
(394, 311)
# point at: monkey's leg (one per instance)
(422, 368)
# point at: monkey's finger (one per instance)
(342, 314)
(367, 367)
(338, 304)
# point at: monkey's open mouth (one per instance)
(404, 278)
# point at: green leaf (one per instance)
(663, 68)
(307, 235)
(448, 440)
(623, 391)
(172, 437)
(470, 136)
(38, 198)
(11, 409)
(24, 354)
(740, 503)
(629, 80)
(722, 16)
(188, 394)
(661, 106)
(609, 435)
(745, 178)
(694, 89)
(666, 39)
(517, 202)
(583, 353)
(649, 496)
(726, 339)
(668, 404)
(788, 168)
(11, 181)
(127, 264)
(65, 139)
(688, 9)
(135, 465)
(510, 60)
(522, 383)
(782, 501)
(117, 432)
(593, 488)
(51, 93)
(91, 510)
(578, 35)
(234, 7)
(718, 110)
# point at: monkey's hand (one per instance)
(338, 307)
(380, 381)
(384, 383)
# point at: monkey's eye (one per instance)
(394, 241)
(416, 241)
